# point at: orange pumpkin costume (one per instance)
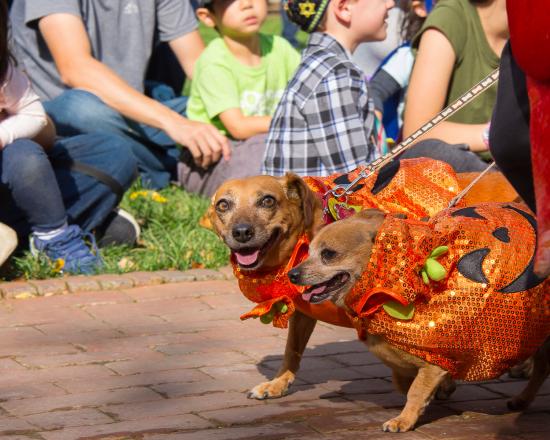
(490, 311)
(416, 187)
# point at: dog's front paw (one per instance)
(397, 424)
(270, 390)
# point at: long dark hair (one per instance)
(5, 54)
(411, 23)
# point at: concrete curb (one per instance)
(81, 283)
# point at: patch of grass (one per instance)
(171, 238)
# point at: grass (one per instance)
(171, 236)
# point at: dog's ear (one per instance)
(297, 189)
(206, 219)
(373, 218)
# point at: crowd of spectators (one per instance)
(85, 110)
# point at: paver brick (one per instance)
(49, 287)
(82, 284)
(18, 289)
(62, 419)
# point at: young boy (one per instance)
(240, 77)
(325, 122)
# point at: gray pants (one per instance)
(461, 159)
(246, 160)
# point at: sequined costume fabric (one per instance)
(415, 187)
(489, 313)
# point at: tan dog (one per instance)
(337, 260)
(260, 219)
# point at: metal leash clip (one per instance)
(340, 191)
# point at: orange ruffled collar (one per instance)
(271, 290)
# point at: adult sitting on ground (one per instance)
(458, 45)
(87, 60)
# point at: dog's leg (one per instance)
(541, 369)
(447, 387)
(523, 370)
(401, 382)
(419, 396)
(300, 328)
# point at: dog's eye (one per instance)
(268, 202)
(328, 255)
(222, 206)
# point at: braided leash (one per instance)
(343, 190)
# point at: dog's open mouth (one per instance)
(320, 292)
(250, 257)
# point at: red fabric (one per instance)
(529, 23)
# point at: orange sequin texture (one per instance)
(420, 188)
(480, 320)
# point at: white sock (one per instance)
(46, 236)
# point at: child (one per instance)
(240, 77)
(30, 198)
(325, 122)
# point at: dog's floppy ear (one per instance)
(373, 218)
(296, 188)
(206, 219)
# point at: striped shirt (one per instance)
(325, 121)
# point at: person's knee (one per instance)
(117, 152)
(79, 111)
(23, 160)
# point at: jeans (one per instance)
(77, 111)
(34, 196)
(462, 161)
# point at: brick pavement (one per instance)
(173, 361)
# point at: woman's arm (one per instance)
(428, 90)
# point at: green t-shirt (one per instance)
(459, 21)
(221, 82)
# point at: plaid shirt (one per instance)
(325, 121)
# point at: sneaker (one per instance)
(70, 247)
(119, 228)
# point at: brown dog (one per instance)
(338, 259)
(260, 219)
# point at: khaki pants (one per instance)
(246, 160)
(8, 242)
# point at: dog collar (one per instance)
(269, 289)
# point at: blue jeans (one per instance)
(34, 196)
(77, 111)
(289, 30)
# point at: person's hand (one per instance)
(206, 144)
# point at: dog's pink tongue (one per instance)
(307, 295)
(247, 260)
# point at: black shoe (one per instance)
(119, 228)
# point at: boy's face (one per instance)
(236, 18)
(368, 19)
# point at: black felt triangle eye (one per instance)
(502, 234)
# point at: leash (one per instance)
(343, 190)
(465, 191)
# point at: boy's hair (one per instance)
(307, 14)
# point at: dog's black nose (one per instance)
(243, 232)
(294, 276)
